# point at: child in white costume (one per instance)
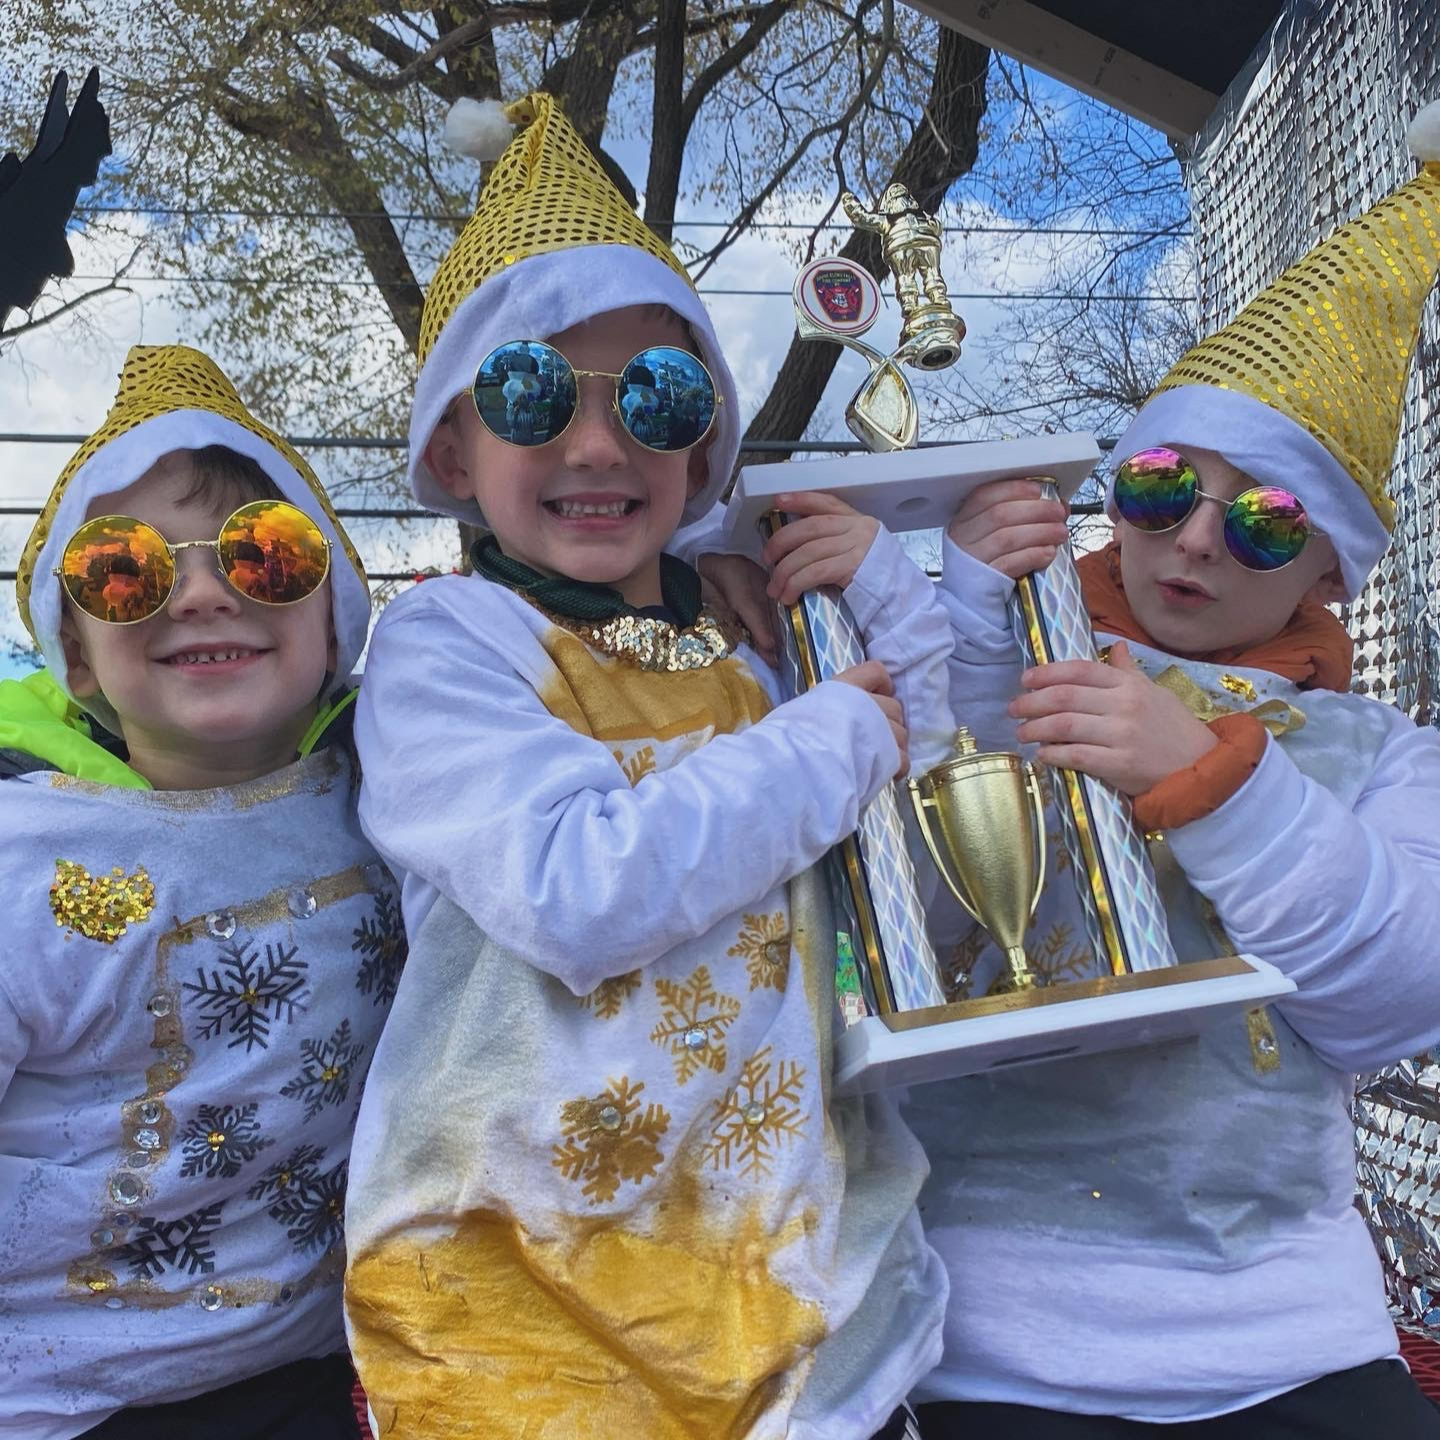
(601, 1187)
(202, 947)
(1167, 1237)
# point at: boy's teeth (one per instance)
(613, 508)
(208, 657)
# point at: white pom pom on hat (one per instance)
(1424, 134)
(478, 128)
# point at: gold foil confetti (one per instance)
(100, 907)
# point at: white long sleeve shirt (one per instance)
(191, 995)
(601, 1186)
(1169, 1234)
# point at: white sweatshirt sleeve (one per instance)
(905, 627)
(533, 829)
(986, 663)
(1345, 901)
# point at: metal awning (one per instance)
(1166, 64)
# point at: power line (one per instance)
(443, 217)
(327, 282)
(399, 442)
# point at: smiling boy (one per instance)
(1163, 1242)
(203, 946)
(601, 1186)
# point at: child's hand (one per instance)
(825, 547)
(740, 583)
(1110, 721)
(874, 679)
(1010, 526)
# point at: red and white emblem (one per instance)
(838, 295)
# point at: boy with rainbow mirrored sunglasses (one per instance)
(1164, 1241)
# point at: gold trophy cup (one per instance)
(990, 849)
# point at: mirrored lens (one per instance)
(117, 569)
(666, 399)
(1266, 527)
(273, 552)
(525, 392)
(1155, 489)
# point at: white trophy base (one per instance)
(996, 1034)
(912, 489)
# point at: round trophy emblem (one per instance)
(838, 295)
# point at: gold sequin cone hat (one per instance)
(171, 397)
(1305, 387)
(552, 243)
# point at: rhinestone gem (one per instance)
(1266, 1045)
(287, 1294)
(126, 1189)
(753, 1114)
(138, 1159)
(122, 1219)
(148, 1139)
(221, 923)
(377, 877)
(302, 903)
(212, 1297)
(178, 1057)
(609, 1117)
(101, 1238)
(160, 1005)
(114, 1302)
(695, 1038)
(151, 1111)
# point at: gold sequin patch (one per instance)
(653, 644)
(1238, 685)
(100, 907)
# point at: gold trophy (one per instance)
(989, 813)
(981, 815)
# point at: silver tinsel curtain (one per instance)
(1312, 133)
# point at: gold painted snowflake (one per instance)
(765, 945)
(758, 1114)
(609, 1139)
(694, 1017)
(1055, 957)
(608, 996)
(639, 765)
(957, 966)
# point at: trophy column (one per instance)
(1121, 901)
(880, 884)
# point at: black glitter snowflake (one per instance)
(325, 1080)
(380, 938)
(184, 1244)
(313, 1213)
(246, 994)
(299, 1168)
(220, 1139)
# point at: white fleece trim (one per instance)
(1272, 449)
(123, 460)
(539, 297)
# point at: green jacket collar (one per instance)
(37, 718)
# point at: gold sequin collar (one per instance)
(650, 643)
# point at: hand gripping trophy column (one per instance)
(980, 815)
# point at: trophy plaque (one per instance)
(980, 814)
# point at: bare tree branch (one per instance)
(940, 150)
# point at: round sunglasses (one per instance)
(1266, 527)
(526, 393)
(121, 570)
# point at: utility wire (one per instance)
(442, 217)
(330, 283)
